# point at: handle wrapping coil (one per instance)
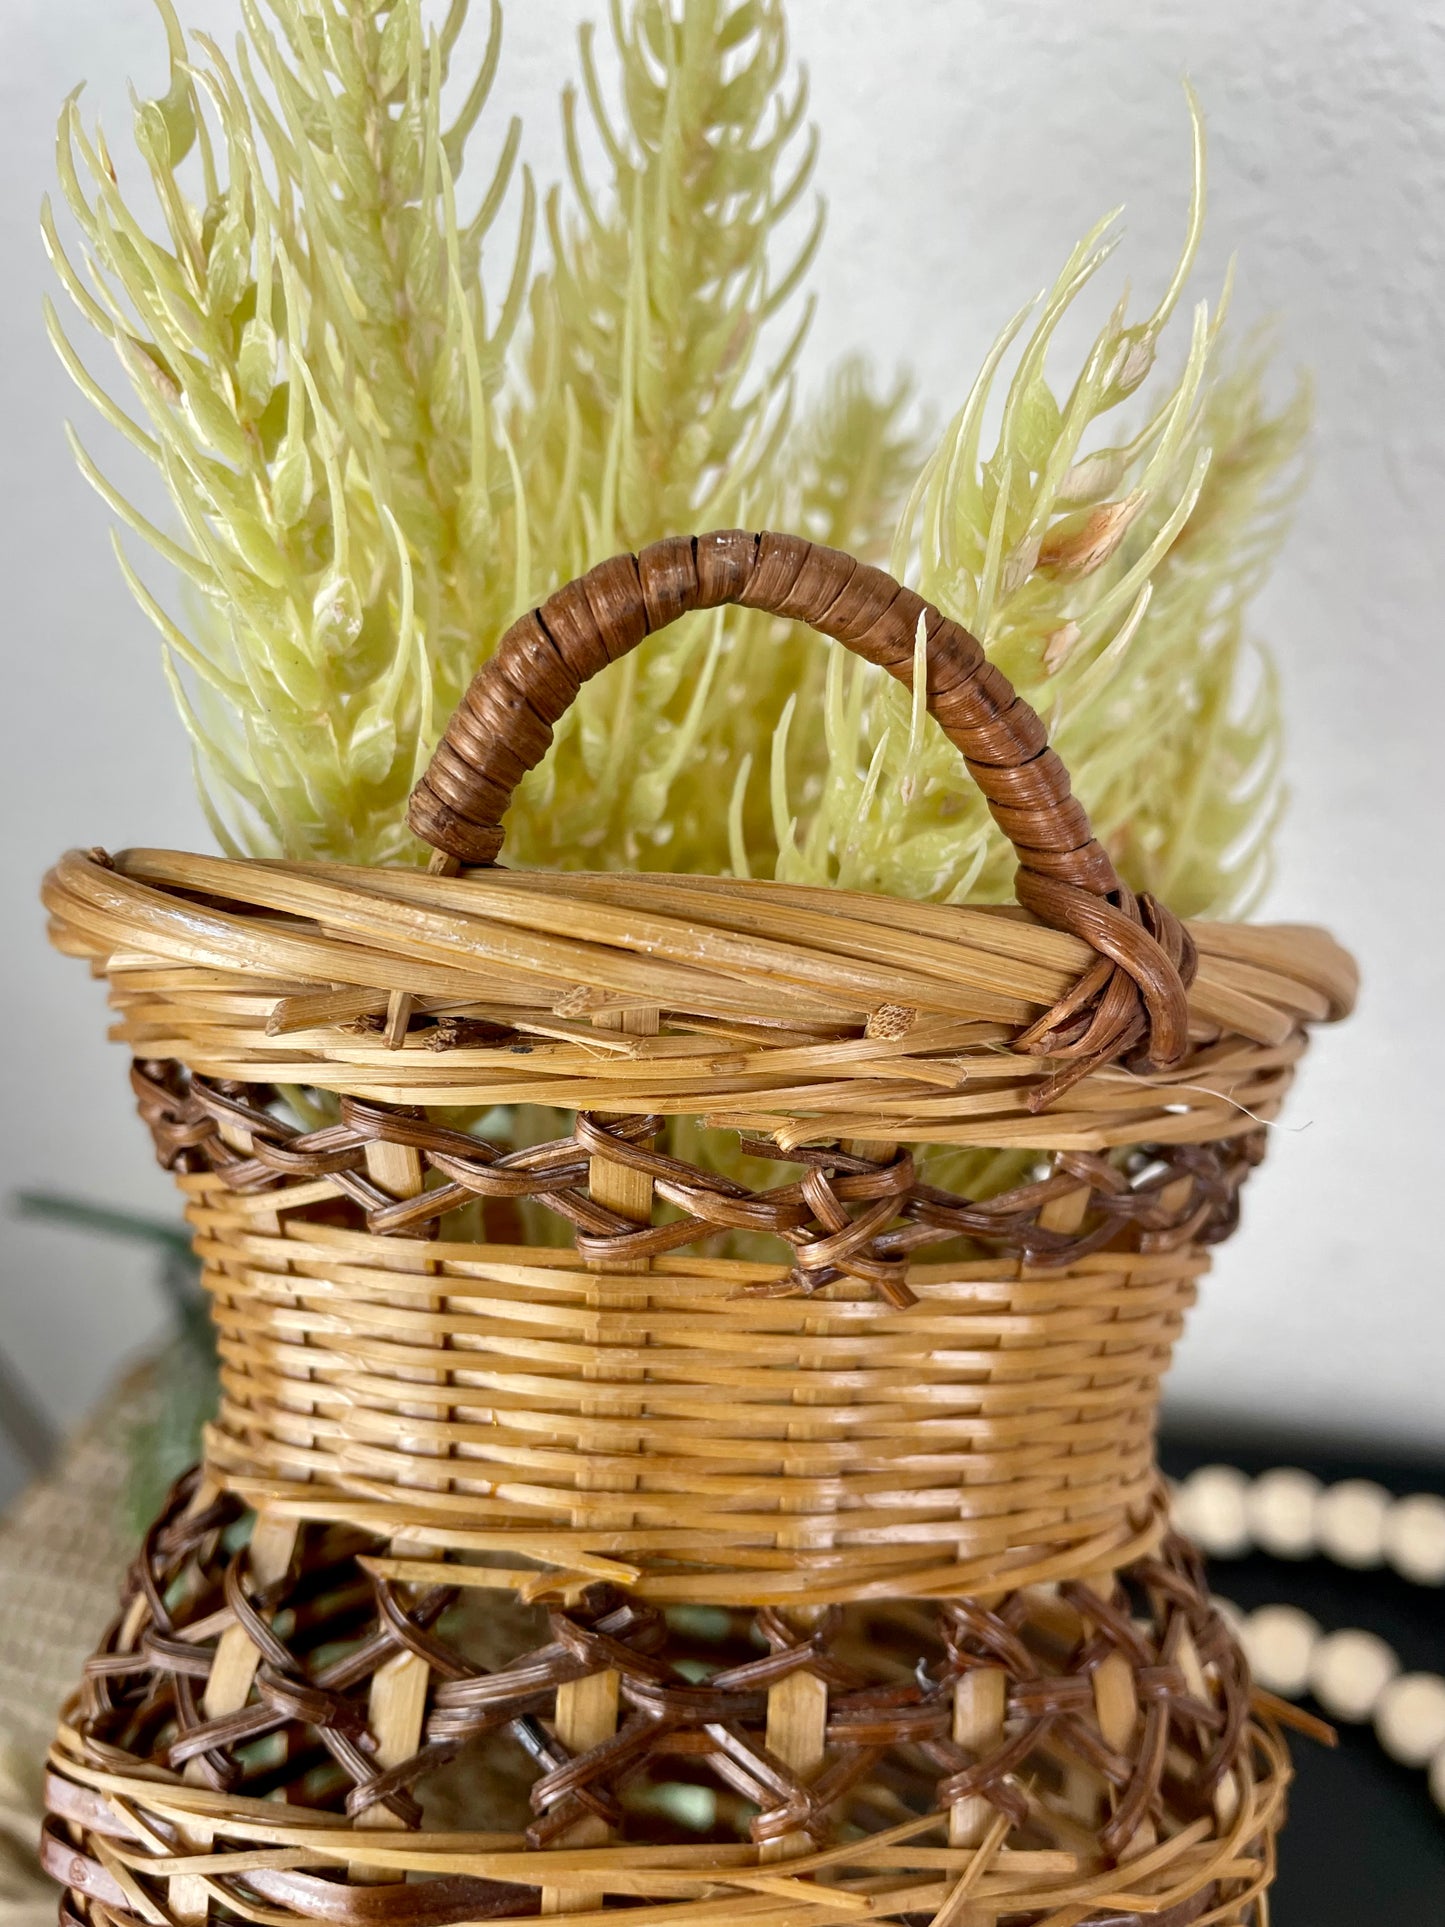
(503, 727)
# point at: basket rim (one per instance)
(776, 998)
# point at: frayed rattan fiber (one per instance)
(601, 1521)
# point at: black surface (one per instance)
(1365, 1844)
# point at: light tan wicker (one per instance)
(824, 1581)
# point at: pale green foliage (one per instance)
(1108, 581)
(328, 397)
(647, 394)
(344, 421)
(660, 400)
(316, 374)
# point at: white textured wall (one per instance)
(966, 146)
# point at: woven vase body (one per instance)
(784, 1545)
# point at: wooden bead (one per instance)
(1437, 1779)
(1281, 1508)
(1350, 1523)
(1279, 1642)
(1410, 1718)
(1348, 1672)
(1414, 1536)
(1211, 1509)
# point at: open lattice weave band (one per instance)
(1120, 1706)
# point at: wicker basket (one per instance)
(824, 1583)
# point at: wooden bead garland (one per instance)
(1289, 1514)
(1355, 1675)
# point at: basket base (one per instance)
(275, 1729)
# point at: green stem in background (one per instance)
(163, 1445)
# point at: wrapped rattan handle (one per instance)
(504, 726)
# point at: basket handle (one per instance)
(503, 726)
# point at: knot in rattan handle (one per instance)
(503, 727)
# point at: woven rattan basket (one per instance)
(780, 1552)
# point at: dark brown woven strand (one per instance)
(1136, 997)
(850, 1216)
(889, 1724)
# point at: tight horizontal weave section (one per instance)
(1125, 1736)
(685, 1429)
